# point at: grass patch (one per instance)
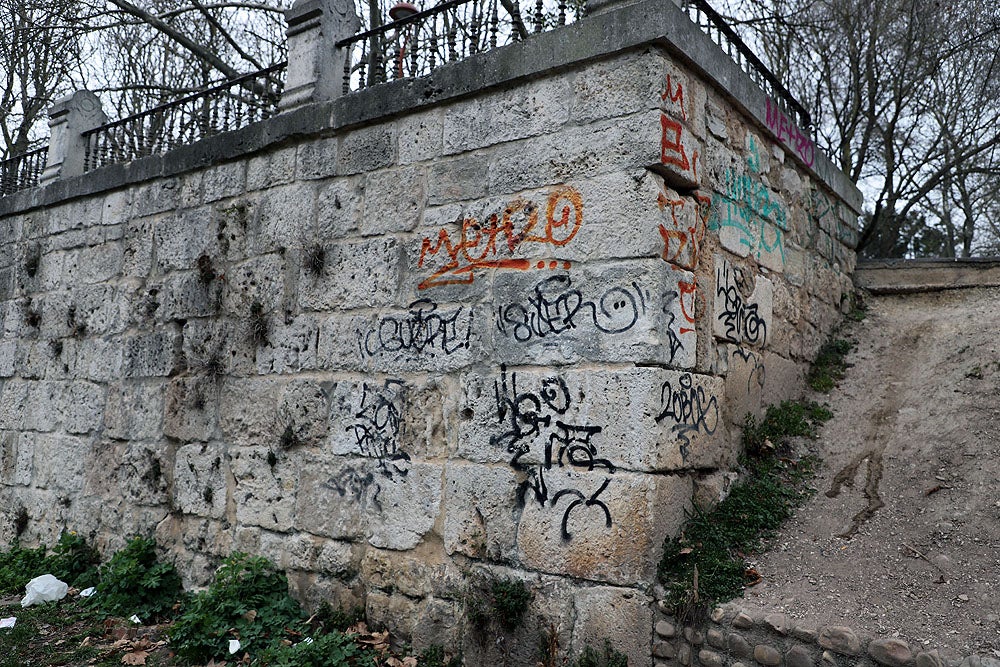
(830, 365)
(706, 563)
(72, 560)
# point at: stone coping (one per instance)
(909, 276)
(642, 24)
(734, 637)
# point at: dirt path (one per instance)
(903, 536)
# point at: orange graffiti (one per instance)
(676, 95)
(689, 298)
(672, 149)
(490, 245)
(681, 246)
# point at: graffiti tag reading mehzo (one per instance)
(539, 418)
(492, 243)
(376, 427)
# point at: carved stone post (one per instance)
(315, 65)
(69, 117)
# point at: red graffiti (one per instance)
(675, 95)
(681, 242)
(672, 151)
(490, 245)
(789, 134)
(689, 298)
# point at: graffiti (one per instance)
(492, 244)
(756, 364)
(691, 408)
(358, 484)
(789, 134)
(745, 209)
(555, 306)
(532, 416)
(741, 321)
(424, 329)
(676, 95)
(377, 427)
(683, 238)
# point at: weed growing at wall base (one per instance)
(830, 365)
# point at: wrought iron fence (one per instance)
(20, 172)
(418, 41)
(227, 106)
(716, 27)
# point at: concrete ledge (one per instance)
(907, 276)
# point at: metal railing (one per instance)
(715, 26)
(413, 46)
(227, 106)
(22, 171)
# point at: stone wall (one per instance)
(734, 638)
(509, 329)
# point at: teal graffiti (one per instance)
(747, 206)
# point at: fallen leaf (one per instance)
(135, 658)
(250, 615)
(685, 551)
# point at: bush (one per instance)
(72, 560)
(249, 601)
(332, 650)
(610, 657)
(134, 582)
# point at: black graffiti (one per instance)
(758, 370)
(672, 338)
(356, 483)
(377, 428)
(555, 306)
(742, 321)
(690, 407)
(531, 416)
(424, 329)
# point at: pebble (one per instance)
(665, 629)
(710, 658)
(695, 637)
(777, 622)
(799, 656)
(663, 650)
(767, 655)
(742, 621)
(891, 652)
(739, 646)
(716, 637)
(929, 659)
(839, 639)
(684, 654)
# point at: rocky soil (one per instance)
(903, 535)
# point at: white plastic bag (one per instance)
(45, 588)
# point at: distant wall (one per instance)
(503, 319)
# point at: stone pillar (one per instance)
(315, 65)
(69, 117)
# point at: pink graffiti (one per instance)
(789, 134)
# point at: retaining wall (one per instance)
(504, 319)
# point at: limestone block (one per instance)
(200, 485)
(784, 378)
(15, 458)
(412, 573)
(346, 497)
(366, 275)
(743, 309)
(291, 348)
(680, 152)
(599, 526)
(427, 335)
(215, 347)
(44, 404)
(367, 149)
(186, 294)
(457, 179)
(282, 217)
(393, 200)
(260, 281)
(338, 208)
(156, 197)
(137, 251)
(420, 136)
(190, 408)
(316, 159)
(611, 146)
(180, 238)
(622, 615)
(8, 351)
(94, 264)
(155, 354)
(59, 462)
(478, 519)
(13, 404)
(143, 473)
(618, 86)
(222, 181)
(337, 344)
(635, 418)
(745, 381)
(626, 311)
(274, 168)
(265, 485)
(95, 310)
(393, 422)
(539, 107)
(83, 406)
(711, 489)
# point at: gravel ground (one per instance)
(903, 536)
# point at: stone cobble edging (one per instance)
(735, 638)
